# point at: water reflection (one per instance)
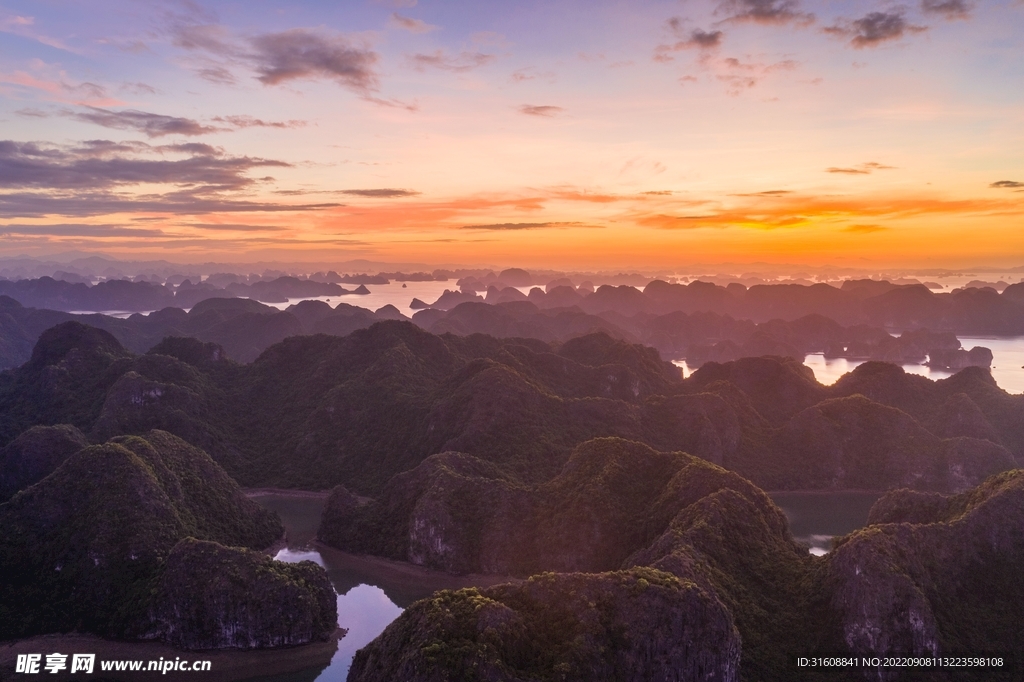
(364, 610)
(371, 592)
(1007, 363)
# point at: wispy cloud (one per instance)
(57, 87)
(530, 73)
(97, 203)
(950, 9)
(100, 177)
(396, 20)
(1006, 184)
(765, 11)
(803, 211)
(235, 227)
(25, 27)
(28, 164)
(526, 226)
(150, 125)
(238, 122)
(874, 28)
(458, 63)
(545, 110)
(384, 193)
(862, 169)
(79, 230)
(697, 39)
(739, 75)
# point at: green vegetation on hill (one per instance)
(83, 548)
(934, 575)
(209, 596)
(942, 580)
(640, 624)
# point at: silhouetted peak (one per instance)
(516, 277)
(390, 312)
(592, 349)
(1014, 292)
(232, 305)
(7, 303)
(57, 342)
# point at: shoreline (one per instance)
(403, 572)
(227, 665)
(285, 492)
(829, 492)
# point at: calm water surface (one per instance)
(1007, 363)
(817, 517)
(371, 593)
(384, 294)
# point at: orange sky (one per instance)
(564, 135)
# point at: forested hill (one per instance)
(316, 411)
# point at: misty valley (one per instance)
(513, 481)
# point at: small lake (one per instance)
(817, 517)
(371, 592)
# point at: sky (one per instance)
(563, 134)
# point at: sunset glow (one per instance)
(555, 134)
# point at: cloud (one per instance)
(545, 110)
(810, 211)
(864, 229)
(27, 164)
(464, 61)
(295, 54)
(739, 75)
(150, 125)
(235, 227)
(396, 20)
(208, 37)
(93, 203)
(238, 122)
(862, 169)
(217, 75)
(79, 230)
(379, 193)
(950, 9)
(57, 87)
(523, 226)
(530, 73)
(874, 28)
(138, 88)
(698, 39)
(32, 113)
(159, 125)
(301, 53)
(765, 11)
(1006, 184)
(24, 27)
(396, 3)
